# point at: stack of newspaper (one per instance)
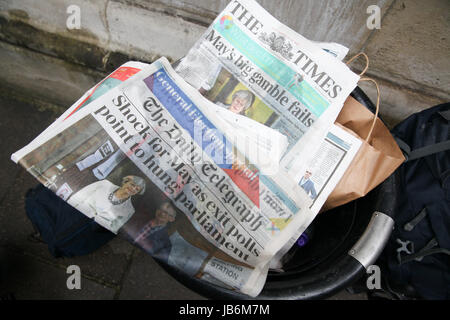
(216, 167)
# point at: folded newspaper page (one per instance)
(250, 63)
(148, 160)
(323, 173)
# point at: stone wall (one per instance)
(409, 55)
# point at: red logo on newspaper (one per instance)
(123, 73)
(247, 180)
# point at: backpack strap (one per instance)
(429, 249)
(406, 149)
(421, 152)
(411, 224)
(429, 150)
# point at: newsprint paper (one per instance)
(149, 159)
(250, 63)
(197, 184)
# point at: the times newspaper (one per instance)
(250, 63)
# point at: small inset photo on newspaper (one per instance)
(229, 93)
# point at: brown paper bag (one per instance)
(376, 159)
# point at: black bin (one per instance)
(346, 241)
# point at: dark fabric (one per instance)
(66, 231)
(424, 185)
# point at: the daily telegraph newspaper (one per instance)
(252, 64)
(150, 159)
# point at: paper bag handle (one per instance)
(377, 107)
(355, 57)
(376, 84)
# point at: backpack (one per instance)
(65, 230)
(417, 255)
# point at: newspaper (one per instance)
(148, 160)
(252, 64)
(209, 246)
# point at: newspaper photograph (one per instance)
(251, 64)
(148, 160)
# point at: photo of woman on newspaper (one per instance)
(226, 91)
(240, 102)
(109, 205)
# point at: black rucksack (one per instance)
(65, 230)
(417, 254)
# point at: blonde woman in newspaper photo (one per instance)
(240, 102)
(108, 204)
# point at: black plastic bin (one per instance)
(347, 240)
